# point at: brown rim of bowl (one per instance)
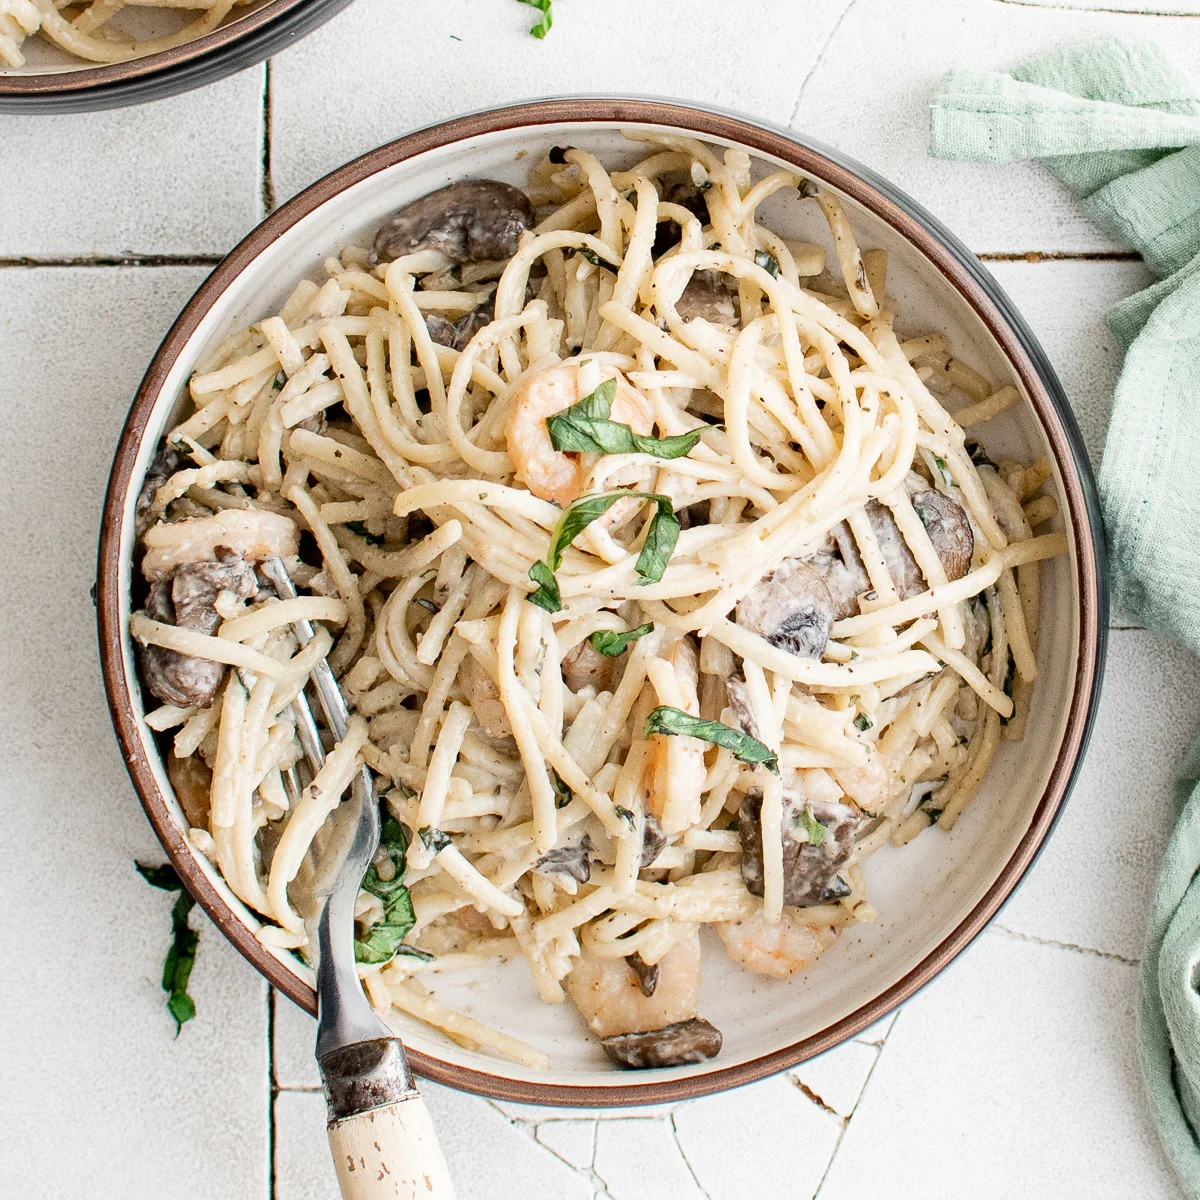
(953, 261)
(101, 75)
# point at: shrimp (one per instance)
(675, 766)
(609, 995)
(548, 473)
(779, 949)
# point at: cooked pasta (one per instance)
(87, 30)
(662, 583)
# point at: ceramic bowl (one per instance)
(54, 81)
(933, 896)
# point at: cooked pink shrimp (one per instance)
(777, 950)
(546, 472)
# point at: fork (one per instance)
(382, 1140)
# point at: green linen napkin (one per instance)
(1121, 126)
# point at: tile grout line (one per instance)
(272, 1093)
(862, 1092)
(1041, 256)
(686, 1161)
(130, 260)
(268, 185)
(1119, 12)
(818, 60)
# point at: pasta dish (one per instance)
(90, 30)
(663, 578)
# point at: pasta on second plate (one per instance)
(668, 588)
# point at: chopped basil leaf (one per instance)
(665, 719)
(591, 256)
(280, 380)
(611, 644)
(578, 515)
(945, 470)
(558, 155)
(768, 262)
(624, 814)
(429, 604)
(544, 7)
(546, 595)
(434, 839)
(181, 955)
(814, 832)
(565, 794)
(382, 941)
(932, 814)
(978, 456)
(585, 428)
(359, 528)
(862, 722)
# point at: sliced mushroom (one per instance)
(457, 334)
(476, 220)
(809, 871)
(653, 840)
(188, 601)
(684, 1042)
(791, 608)
(739, 701)
(902, 567)
(584, 666)
(705, 296)
(647, 973)
(949, 530)
(840, 565)
(192, 781)
(166, 462)
(575, 861)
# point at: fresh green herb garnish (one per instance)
(382, 942)
(768, 262)
(565, 795)
(544, 7)
(1008, 684)
(181, 956)
(665, 719)
(434, 839)
(578, 515)
(945, 470)
(591, 256)
(585, 428)
(612, 645)
(362, 531)
(624, 814)
(280, 380)
(862, 722)
(814, 832)
(932, 814)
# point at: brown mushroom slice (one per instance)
(192, 781)
(166, 462)
(475, 220)
(705, 296)
(647, 973)
(254, 534)
(949, 530)
(902, 567)
(791, 608)
(681, 1044)
(841, 568)
(810, 872)
(457, 334)
(653, 840)
(575, 861)
(187, 600)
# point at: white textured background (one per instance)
(1012, 1075)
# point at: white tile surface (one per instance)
(83, 935)
(179, 177)
(1012, 1075)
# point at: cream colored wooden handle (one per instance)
(390, 1152)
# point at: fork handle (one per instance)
(390, 1152)
(382, 1140)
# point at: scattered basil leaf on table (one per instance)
(181, 956)
(585, 428)
(545, 8)
(665, 719)
(612, 644)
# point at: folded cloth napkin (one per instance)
(1121, 126)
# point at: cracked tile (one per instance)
(886, 59)
(537, 1113)
(486, 1154)
(574, 1141)
(767, 1133)
(1092, 884)
(1136, 7)
(837, 1077)
(875, 1034)
(496, 62)
(1017, 1068)
(639, 1158)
